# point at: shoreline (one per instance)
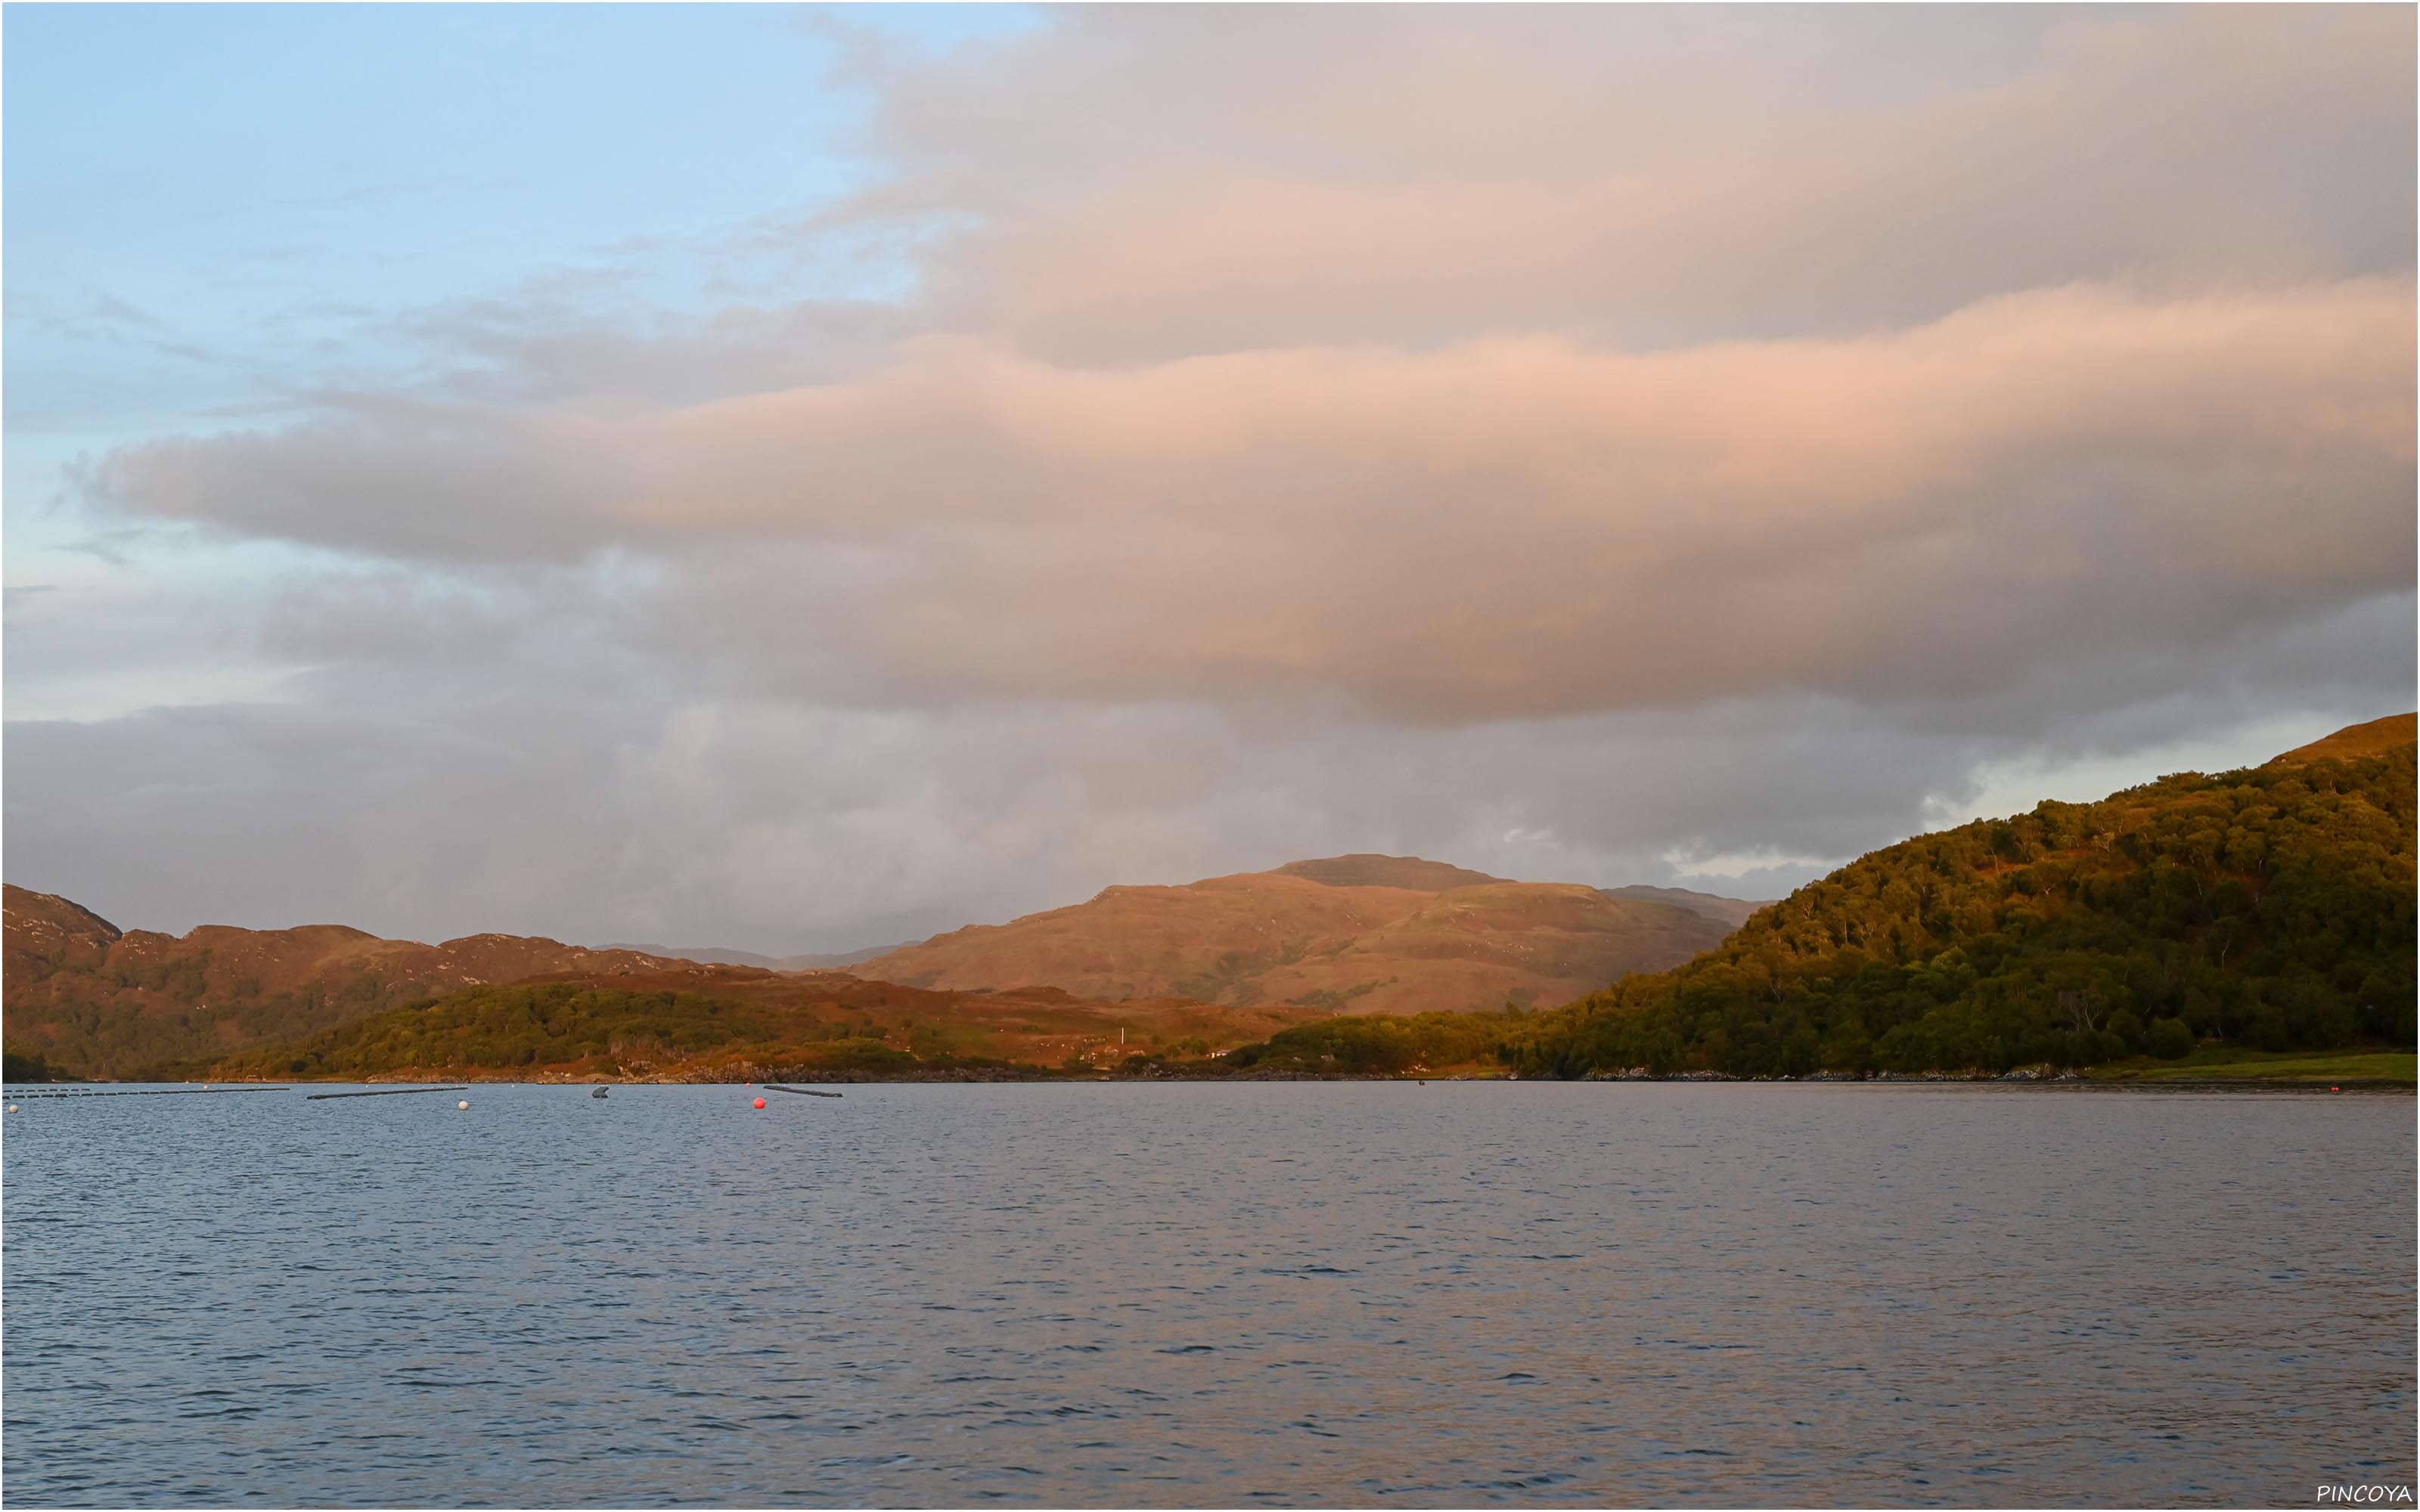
(1984, 1082)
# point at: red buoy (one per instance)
(760, 1102)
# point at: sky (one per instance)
(802, 479)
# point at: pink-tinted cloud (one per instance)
(1487, 529)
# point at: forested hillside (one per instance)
(2269, 907)
(736, 1023)
(582, 1027)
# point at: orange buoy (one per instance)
(760, 1102)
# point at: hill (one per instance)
(723, 956)
(1732, 911)
(740, 1022)
(86, 998)
(2270, 908)
(1285, 938)
(39, 926)
(2376, 738)
(1407, 871)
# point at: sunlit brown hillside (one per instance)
(2375, 738)
(87, 999)
(92, 999)
(1731, 911)
(1284, 937)
(1366, 871)
(1220, 963)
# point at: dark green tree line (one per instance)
(2270, 907)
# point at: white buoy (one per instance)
(13, 1107)
(461, 1104)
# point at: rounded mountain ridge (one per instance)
(1353, 933)
(1409, 872)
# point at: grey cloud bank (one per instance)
(1578, 444)
(1457, 535)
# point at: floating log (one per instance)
(801, 1091)
(391, 1091)
(160, 1091)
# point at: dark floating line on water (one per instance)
(159, 1091)
(392, 1091)
(801, 1091)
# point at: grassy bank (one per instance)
(2227, 1064)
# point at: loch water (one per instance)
(1201, 1294)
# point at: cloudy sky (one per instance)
(805, 479)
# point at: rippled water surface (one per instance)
(1144, 1295)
